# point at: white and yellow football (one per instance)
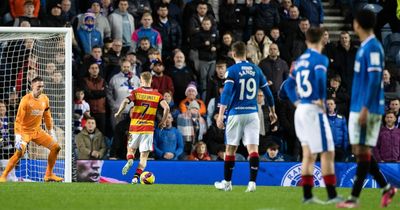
(147, 178)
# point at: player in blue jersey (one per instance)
(239, 99)
(311, 123)
(366, 109)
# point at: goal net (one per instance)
(26, 53)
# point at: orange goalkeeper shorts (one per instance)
(40, 138)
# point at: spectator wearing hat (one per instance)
(17, 7)
(147, 31)
(272, 153)
(136, 66)
(192, 126)
(161, 82)
(29, 9)
(101, 24)
(54, 19)
(122, 24)
(88, 36)
(191, 95)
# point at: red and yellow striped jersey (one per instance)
(143, 115)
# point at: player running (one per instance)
(366, 109)
(311, 123)
(242, 83)
(34, 107)
(143, 117)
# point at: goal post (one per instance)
(25, 53)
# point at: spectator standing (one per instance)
(147, 31)
(258, 46)
(28, 15)
(90, 142)
(340, 135)
(312, 10)
(160, 81)
(88, 36)
(169, 29)
(101, 24)
(168, 141)
(17, 7)
(265, 15)
(122, 24)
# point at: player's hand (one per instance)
(362, 120)
(320, 103)
(18, 142)
(220, 122)
(272, 117)
(116, 115)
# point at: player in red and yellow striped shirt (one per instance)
(33, 108)
(143, 116)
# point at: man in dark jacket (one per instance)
(265, 15)
(171, 33)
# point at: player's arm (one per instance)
(48, 120)
(20, 116)
(374, 71)
(125, 102)
(290, 89)
(320, 74)
(165, 106)
(225, 99)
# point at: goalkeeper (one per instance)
(33, 108)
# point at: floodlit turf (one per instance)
(77, 196)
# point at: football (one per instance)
(147, 178)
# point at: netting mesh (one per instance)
(23, 56)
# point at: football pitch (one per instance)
(86, 196)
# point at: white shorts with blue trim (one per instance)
(364, 136)
(245, 127)
(141, 140)
(312, 128)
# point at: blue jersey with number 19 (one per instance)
(242, 83)
(367, 90)
(309, 76)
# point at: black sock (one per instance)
(330, 183)
(363, 166)
(377, 173)
(229, 165)
(254, 164)
(308, 183)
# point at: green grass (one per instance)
(85, 196)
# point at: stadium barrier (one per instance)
(194, 172)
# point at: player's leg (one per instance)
(251, 141)
(133, 144)
(307, 173)
(20, 146)
(142, 165)
(44, 139)
(328, 174)
(233, 133)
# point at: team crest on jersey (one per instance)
(347, 179)
(292, 177)
(357, 66)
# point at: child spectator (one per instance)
(206, 41)
(168, 141)
(272, 153)
(81, 111)
(388, 146)
(90, 142)
(200, 152)
(88, 36)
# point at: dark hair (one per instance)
(272, 145)
(162, 5)
(37, 79)
(344, 32)
(304, 19)
(220, 61)
(96, 46)
(314, 35)
(366, 19)
(239, 48)
(90, 118)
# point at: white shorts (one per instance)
(313, 129)
(367, 136)
(142, 141)
(242, 126)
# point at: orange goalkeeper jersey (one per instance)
(31, 112)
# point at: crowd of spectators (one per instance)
(186, 46)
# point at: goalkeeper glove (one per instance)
(19, 142)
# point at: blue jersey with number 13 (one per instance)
(309, 77)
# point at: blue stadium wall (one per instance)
(270, 173)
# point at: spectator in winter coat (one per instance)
(88, 36)
(258, 46)
(388, 146)
(90, 142)
(160, 81)
(312, 10)
(147, 31)
(168, 141)
(339, 131)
